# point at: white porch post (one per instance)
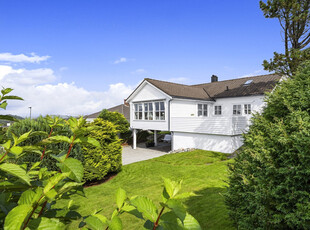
(155, 137)
(134, 141)
(172, 141)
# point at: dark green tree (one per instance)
(294, 19)
(269, 181)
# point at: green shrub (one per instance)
(41, 124)
(269, 182)
(99, 162)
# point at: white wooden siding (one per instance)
(218, 143)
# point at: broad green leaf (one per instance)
(12, 186)
(116, 223)
(120, 197)
(74, 166)
(61, 157)
(132, 210)
(54, 181)
(94, 222)
(178, 208)
(88, 140)
(11, 97)
(190, 223)
(5, 91)
(17, 216)
(57, 139)
(26, 197)
(172, 187)
(68, 186)
(16, 150)
(184, 195)
(15, 170)
(3, 105)
(146, 207)
(7, 144)
(35, 165)
(169, 221)
(7, 118)
(44, 223)
(23, 137)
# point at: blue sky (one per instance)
(99, 44)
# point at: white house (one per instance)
(210, 116)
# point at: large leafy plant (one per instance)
(29, 191)
(172, 215)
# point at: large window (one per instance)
(138, 111)
(159, 110)
(247, 109)
(217, 110)
(148, 111)
(236, 109)
(202, 110)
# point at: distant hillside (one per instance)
(6, 121)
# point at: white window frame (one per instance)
(204, 110)
(221, 110)
(137, 111)
(247, 109)
(143, 111)
(239, 109)
(148, 111)
(160, 112)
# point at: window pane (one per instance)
(157, 106)
(146, 107)
(150, 106)
(136, 115)
(136, 107)
(162, 115)
(150, 116)
(199, 106)
(146, 117)
(162, 106)
(140, 115)
(140, 107)
(199, 113)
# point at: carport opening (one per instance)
(153, 139)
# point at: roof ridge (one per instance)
(236, 79)
(166, 81)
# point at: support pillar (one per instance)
(155, 137)
(134, 141)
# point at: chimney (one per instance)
(214, 78)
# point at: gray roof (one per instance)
(220, 89)
(123, 109)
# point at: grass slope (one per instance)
(203, 172)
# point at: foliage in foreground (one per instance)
(269, 182)
(46, 126)
(98, 162)
(29, 191)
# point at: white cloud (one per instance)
(39, 91)
(121, 60)
(254, 73)
(139, 71)
(181, 80)
(33, 58)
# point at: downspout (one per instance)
(169, 115)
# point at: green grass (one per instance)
(203, 172)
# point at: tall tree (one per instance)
(294, 19)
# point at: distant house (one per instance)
(122, 108)
(210, 116)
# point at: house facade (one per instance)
(209, 116)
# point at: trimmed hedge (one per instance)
(40, 124)
(99, 162)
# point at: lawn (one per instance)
(203, 172)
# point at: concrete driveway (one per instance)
(142, 153)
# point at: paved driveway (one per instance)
(141, 153)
